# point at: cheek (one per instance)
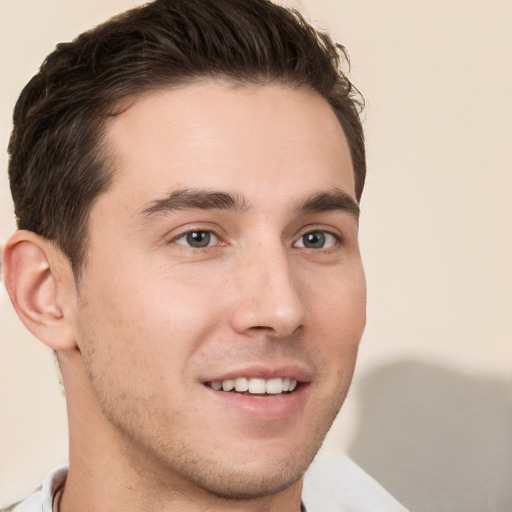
(135, 353)
(339, 322)
(339, 305)
(152, 326)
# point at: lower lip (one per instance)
(268, 407)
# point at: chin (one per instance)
(249, 483)
(247, 475)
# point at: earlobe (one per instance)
(28, 268)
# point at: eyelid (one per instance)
(190, 229)
(214, 238)
(336, 235)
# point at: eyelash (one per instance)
(336, 239)
(209, 232)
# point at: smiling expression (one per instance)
(223, 297)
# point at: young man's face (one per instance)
(226, 250)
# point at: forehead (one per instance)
(251, 139)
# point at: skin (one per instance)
(154, 319)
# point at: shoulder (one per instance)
(41, 500)
(335, 483)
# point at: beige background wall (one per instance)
(430, 412)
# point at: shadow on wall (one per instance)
(437, 439)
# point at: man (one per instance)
(186, 180)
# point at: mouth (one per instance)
(256, 386)
(260, 392)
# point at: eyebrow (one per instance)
(186, 199)
(335, 199)
(203, 199)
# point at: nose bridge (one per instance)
(270, 297)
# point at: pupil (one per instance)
(314, 240)
(198, 238)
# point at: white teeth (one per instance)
(241, 384)
(256, 386)
(274, 386)
(228, 385)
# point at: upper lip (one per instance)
(264, 371)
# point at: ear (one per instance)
(37, 280)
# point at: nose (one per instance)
(269, 296)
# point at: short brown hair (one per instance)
(57, 165)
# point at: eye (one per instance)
(197, 239)
(316, 240)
